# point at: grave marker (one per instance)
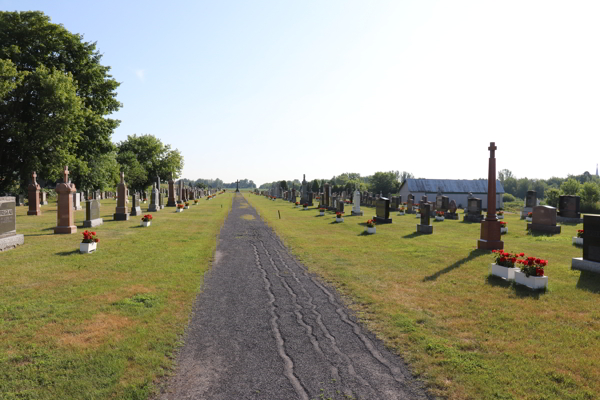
(64, 215)
(425, 225)
(544, 220)
(92, 214)
(591, 246)
(490, 227)
(121, 212)
(383, 211)
(9, 238)
(34, 196)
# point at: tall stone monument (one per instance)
(154, 199)
(34, 196)
(65, 222)
(171, 202)
(121, 212)
(356, 204)
(490, 227)
(135, 205)
(237, 186)
(425, 225)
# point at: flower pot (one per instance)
(439, 218)
(339, 219)
(528, 219)
(146, 223)
(503, 272)
(297, 206)
(179, 210)
(577, 241)
(186, 207)
(371, 230)
(532, 282)
(305, 208)
(322, 213)
(418, 215)
(87, 247)
(503, 230)
(400, 212)
(500, 216)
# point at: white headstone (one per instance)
(356, 201)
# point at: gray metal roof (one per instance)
(451, 185)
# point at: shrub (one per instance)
(508, 197)
(552, 196)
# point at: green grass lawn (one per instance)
(106, 324)
(430, 298)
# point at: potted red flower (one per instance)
(371, 226)
(503, 228)
(500, 214)
(531, 273)
(578, 240)
(305, 206)
(439, 215)
(297, 204)
(529, 217)
(88, 244)
(321, 211)
(339, 216)
(179, 207)
(505, 264)
(147, 220)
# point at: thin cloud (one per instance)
(140, 74)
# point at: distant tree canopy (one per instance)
(55, 98)
(244, 184)
(145, 157)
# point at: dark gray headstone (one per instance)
(425, 213)
(8, 220)
(591, 238)
(531, 199)
(568, 206)
(92, 209)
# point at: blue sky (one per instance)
(271, 90)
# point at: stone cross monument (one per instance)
(121, 212)
(490, 227)
(65, 222)
(34, 196)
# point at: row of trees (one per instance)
(55, 99)
(384, 182)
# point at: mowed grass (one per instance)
(430, 298)
(103, 325)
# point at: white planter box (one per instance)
(305, 208)
(400, 212)
(503, 272)
(179, 209)
(195, 203)
(146, 223)
(371, 230)
(532, 282)
(577, 241)
(503, 230)
(528, 219)
(87, 247)
(500, 216)
(439, 218)
(418, 215)
(297, 206)
(186, 207)
(321, 213)
(339, 220)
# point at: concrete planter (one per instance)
(371, 230)
(400, 212)
(577, 241)
(339, 220)
(503, 230)
(322, 213)
(532, 282)
(418, 215)
(186, 207)
(179, 210)
(87, 247)
(528, 219)
(439, 218)
(500, 216)
(146, 223)
(503, 272)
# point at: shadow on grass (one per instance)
(413, 235)
(472, 255)
(524, 291)
(536, 234)
(589, 281)
(493, 280)
(67, 253)
(365, 233)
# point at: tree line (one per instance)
(55, 102)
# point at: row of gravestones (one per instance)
(67, 198)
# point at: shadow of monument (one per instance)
(413, 235)
(472, 255)
(67, 253)
(589, 281)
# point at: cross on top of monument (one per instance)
(66, 174)
(122, 177)
(492, 149)
(33, 176)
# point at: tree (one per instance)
(144, 157)
(522, 188)
(384, 182)
(552, 197)
(589, 193)
(510, 186)
(504, 174)
(283, 185)
(55, 99)
(315, 186)
(570, 187)
(404, 176)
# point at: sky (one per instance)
(272, 90)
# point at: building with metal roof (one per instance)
(456, 189)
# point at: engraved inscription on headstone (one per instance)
(8, 221)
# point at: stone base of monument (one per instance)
(451, 215)
(163, 206)
(76, 208)
(565, 220)
(135, 211)
(585, 265)
(153, 208)
(171, 203)
(34, 212)
(577, 241)
(43, 203)
(473, 218)
(543, 228)
(121, 217)
(10, 242)
(65, 229)
(90, 223)
(359, 213)
(380, 221)
(424, 228)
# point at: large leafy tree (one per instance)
(55, 99)
(385, 182)
(144, 157)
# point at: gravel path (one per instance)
(264, 328)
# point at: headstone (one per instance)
(65, 222)
(171, 202)
(76, 201)
(19, 200)
(43, 198)
(121, 212)
(425, 225)
(339, 206)
(9, 238)
(155, 198)
(237, 186)
(327, 195)
(383, 211)
(451, 213)
(474, 210)
(135, 205)
(544, 220)
(34, 196)
(92, 214)
(145, 194)
(591, 245)
(530, 202)
(356, 204)
(568, 207)
(410, 201)
(490, 227)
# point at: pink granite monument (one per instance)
(64, 215)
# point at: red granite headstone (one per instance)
(65, 222)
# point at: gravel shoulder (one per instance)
(264, 328)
